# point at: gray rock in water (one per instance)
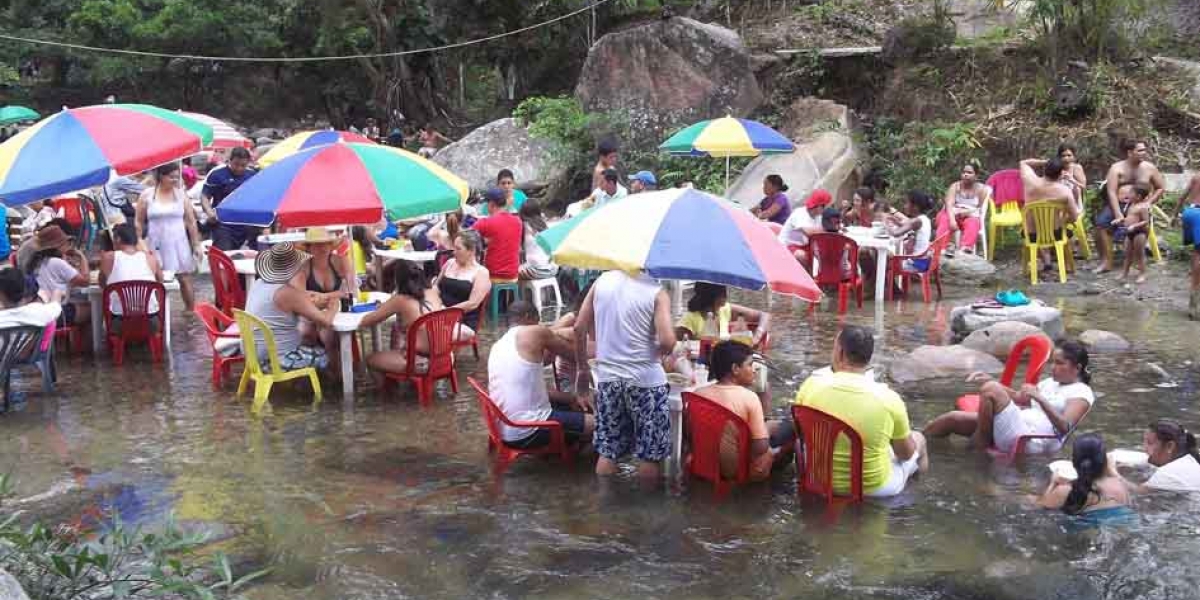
(965, 269)
(999, 339)
(930, 362)
(10, 589)
(1098, 340)
(502, 144)
(266, 132)
(667, 74)
(964, 319)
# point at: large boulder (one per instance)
(10, 588)
(967, 270)
(669, 73)
(502, 144)
(999, 339)
(826, 156)
(1100, 341)
(931, 362)
(965, 319)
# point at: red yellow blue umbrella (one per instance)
(309, 139)
(726, 137)
(344, 184)
(82, 147)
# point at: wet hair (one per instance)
(125, 234)
(1054, 168)
(1065, 147)
(1078, 355)
(866, 193)
(1091, 462)
(164, 170)
(777, 182)
(12, 284)
(920, 199)
(828, 217)
(857, 344)
(531, 214)
(470, 240)
(606, 147)
(611, 176)
(705, 295)
(726, 355)
(523, 309)
(1169, 430)
(408, 279)
(505, 174)
(239, 153)
(1141, 190)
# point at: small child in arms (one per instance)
(1137, 226)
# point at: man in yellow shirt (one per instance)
(892, 452)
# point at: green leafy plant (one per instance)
(919, 155)
(63, 563)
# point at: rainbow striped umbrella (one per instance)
(309, 139)
(727, 137)
(680, 234)
(344, 184)
(224, 134)
(82, 147)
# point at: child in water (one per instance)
(1136, 228)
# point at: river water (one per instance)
(383, 499)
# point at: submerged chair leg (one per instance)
(245, 381)
(1062, 262)
(316, 386)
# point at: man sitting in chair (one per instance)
(517, 385)
(892, 452)
(1048, 188)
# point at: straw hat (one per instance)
(319, 235)
(52, 236)
(280, 264)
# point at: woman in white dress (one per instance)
(166, 218)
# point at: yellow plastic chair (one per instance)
(247, 324)
(1044, 216)
(1081, 236)
(1151, 238)
(1007, 215)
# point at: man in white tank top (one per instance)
(128, 262)
(630, 319)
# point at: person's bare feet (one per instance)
(1102, 269)
(1141, 279)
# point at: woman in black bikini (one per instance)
(464, 283)
(327, 277)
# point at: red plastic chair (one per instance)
(493, 417)
(931, 275)
(831, 254)
(472, 343)
(216, 324)
(706, 423)
(1038, 347)
(134, 299)
(440, 329)
(72, 334)
(819, 432)
(227, 284)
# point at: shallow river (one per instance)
(385, 500)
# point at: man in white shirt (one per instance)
(801, 223)
(1172, 449)
(12, 293)
(610, 189)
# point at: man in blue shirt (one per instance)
(221, 182)
(5, 247)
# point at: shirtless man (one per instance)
(607, 152)
(1048, 188)
(1133, 169)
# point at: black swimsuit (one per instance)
(313, 285)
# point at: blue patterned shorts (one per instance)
(303, 357)
(632, 418)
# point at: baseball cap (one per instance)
(645, 177)
(495, 195)
(818, 198)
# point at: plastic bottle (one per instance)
(708, 336)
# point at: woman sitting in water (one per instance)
(413, 297)
(1173, 450)
(1097, 490)
(327, 278)
(713, 298)
(1052, 407)
(464, 283)
(733, 370)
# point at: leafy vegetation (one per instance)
(921, 155)
(65, 563)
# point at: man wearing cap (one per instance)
(220, 183)
(502, 231)
(278, 298)
(642, 181)
(801, 223)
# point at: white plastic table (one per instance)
(346, 324)
(409, 255)
(883, 246)
(94, 293)
(245, 268)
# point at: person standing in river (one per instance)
(222, 182)
(1189, 216)
(166, 218)
(1134, 169)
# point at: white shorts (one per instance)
(1010, 424)
(901, 472)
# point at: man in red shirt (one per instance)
(502, 231)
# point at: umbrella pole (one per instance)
(726, 175)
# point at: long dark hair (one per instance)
(408, 279)
(358, 233)
(705, 295)
(1077, 354)
(1170, 430)
(42, 256)
(1091, 462)
(531, 214)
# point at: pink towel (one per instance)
(1006, 186)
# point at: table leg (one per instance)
(376, 336)
(674, 466)
(97, 322)
(167, 326)
(345, 343)
(881, 260)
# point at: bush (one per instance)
(918, 155)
